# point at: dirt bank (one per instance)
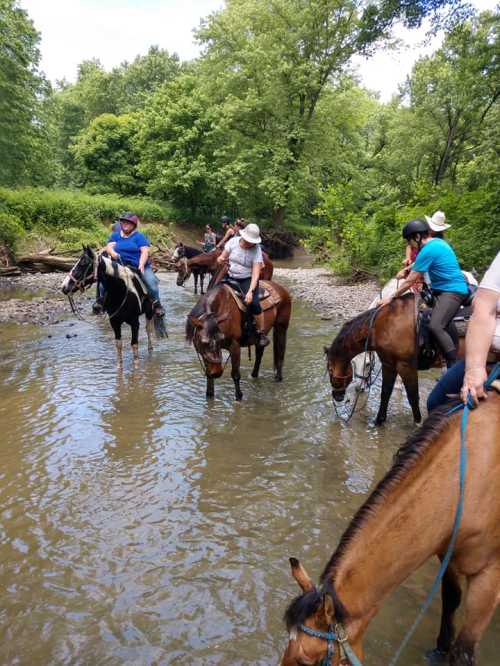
(326, 293)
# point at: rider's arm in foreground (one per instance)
(477, 343)
(144, 257)
(413, 277)
(222, 258)
(256, 268)
(110, 249)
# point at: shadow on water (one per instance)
(142, 525)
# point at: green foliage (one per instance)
(11, 230)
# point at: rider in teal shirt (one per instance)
(438, 259)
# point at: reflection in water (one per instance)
(140, 524)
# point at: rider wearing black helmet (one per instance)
(449, 287)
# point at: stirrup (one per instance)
(97, 307)
(262, 339)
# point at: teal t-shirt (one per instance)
(438, 259)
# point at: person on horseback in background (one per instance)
(244, 255)
(448, 284)
(227, 231)
(131, 247)
(437, 225)
(468, 376)
(209, 239)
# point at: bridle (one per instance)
(86, 280)
(333, 636)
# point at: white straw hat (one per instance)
(437, 221)
(251, 233)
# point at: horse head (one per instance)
(179, 252)
(183, 271)
(310, 620)
(204, 332)
(83, 273)
(340, 372)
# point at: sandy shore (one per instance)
(326, 293)
(36, 298)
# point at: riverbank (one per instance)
(327, 293)
(36, 298)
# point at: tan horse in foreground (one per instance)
(407, 519)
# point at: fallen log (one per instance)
(9, 271)
(46, 262)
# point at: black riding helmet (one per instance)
(225, 220)
(415, 227)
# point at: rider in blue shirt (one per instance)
(449, 287)
(131, 247)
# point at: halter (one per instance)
(80, 284)
(331, 637)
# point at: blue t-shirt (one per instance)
(438, 259)
(129, 248)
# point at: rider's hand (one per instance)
(114, 255)
(473, 384)
(141, 268)
(402, 274)
(406, 262)
(249, 296)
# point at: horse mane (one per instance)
(190, 252)
(352, 327)
(410, 453)
(203, 309)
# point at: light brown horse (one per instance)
(217, 323)
(391, 332)
(407, 520)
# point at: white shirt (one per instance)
(491, 279)
(241, 260)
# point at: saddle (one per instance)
(268, 295)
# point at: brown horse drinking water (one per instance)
(391, 332)
(407, 520)
(216, 323)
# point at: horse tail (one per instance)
(160, 328)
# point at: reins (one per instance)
(339, 636)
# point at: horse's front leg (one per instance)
(210, 387)
(388, 378)
(480, 603)
(135, 341)
(117, 329)
(235, 352)
(409, 375)
(202, 280)
(195, 278)
(149, 331)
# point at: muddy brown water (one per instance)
(140, 524)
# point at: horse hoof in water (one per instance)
(238, 397)
(436, 656)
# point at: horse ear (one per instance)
(328, 609)
(301, 575)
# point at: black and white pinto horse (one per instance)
(125, 300)
(181, 255)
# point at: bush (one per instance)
(11, 230)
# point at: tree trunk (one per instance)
(279, 216)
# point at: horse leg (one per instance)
(480, 604)
(195, 278)
(235, 352)
(451, 595)
(149, 331)
(135, 340)
(202, 280)
(259, 352)
(409, 376)
(210, 387)
(117, 330)
(388, 379)
(279, 348)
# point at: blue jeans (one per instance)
(451, 383)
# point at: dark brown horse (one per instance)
(391, 332)
(216, 323)
(407, 520)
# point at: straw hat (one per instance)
(251, 233)
(438, 221)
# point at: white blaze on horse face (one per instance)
(65, 284)
(293, 634)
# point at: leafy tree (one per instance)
(106, 155)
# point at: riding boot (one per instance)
(262, 339)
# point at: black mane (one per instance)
(405, 459)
